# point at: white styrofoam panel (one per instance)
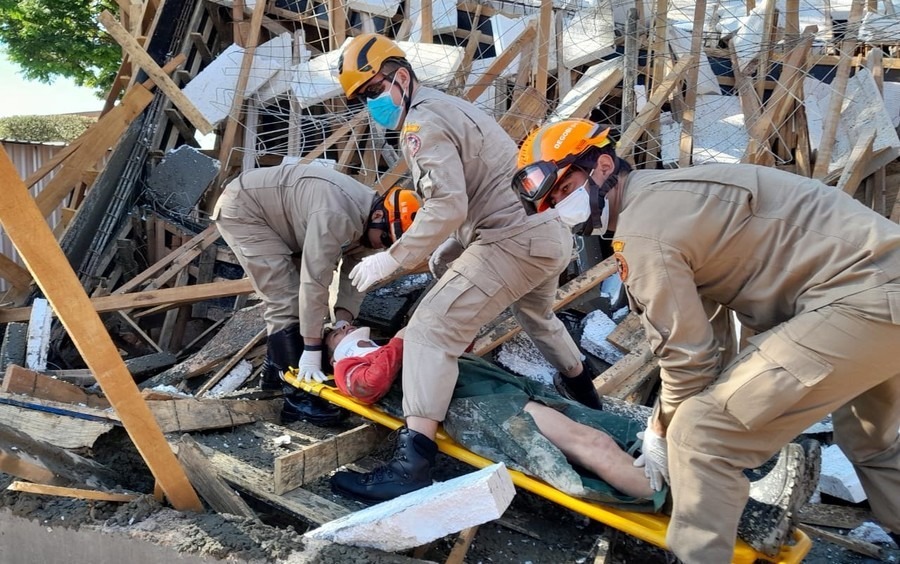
(443, 18)
(317, 80)
(838, 478)
(878, 28)
(719, 134)
(680, 42)
(382, 8)
(506, 30)
(212, 90)
(588, 35)
(593, 76)
(749, 37)
(597, 327)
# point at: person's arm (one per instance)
(661, 288)
(368, 378)
(438, 175)
(326, 232)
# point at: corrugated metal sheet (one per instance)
(27, 158)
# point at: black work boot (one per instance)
(284, 350)
(408, 470)
(777, 497)
(579, 388)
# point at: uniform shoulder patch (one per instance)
(413, 143)
(411, 128)
(618, 245)
(621, 266)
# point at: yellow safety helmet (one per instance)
(400, 206)
(362, 59)
(547, 153)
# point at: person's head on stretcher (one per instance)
(362, 369)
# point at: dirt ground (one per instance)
(533, 530)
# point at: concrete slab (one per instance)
(521, 356)
(425, 515)
(585, 86)
(838, 478)
(597, 326)
(180, 179)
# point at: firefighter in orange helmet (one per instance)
(289, 227)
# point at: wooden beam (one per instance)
(838, 88)
(856, 545)
(59, 424)
(18, 277)
(313, 461)
(461, 546)
(226, 368)
(566, 294)
(25, 226)
(500, 63)
(526, 111)
(337, 23)
(427, 22)
(545, 23)
(857, 164)
(75, 493)
(20, 380)
(652, 108)
(234, 115)
(686, 145)
(211, 487)
(162, 80)
(172, 296)
(184, 415)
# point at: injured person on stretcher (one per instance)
(583, 452)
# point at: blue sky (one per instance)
(23, 97)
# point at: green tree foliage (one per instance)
(60, 38)
(44, 129)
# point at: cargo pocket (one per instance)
(543, 247)
(464, 290)
(894, 305)
(765, 381)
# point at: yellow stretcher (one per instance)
(649, 527)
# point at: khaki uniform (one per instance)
(816, 275)
(289, 226)
(462, 164)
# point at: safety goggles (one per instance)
(375, 89)
(534, 181)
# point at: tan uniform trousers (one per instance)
(521, 271)
(274, 277)
(841, 358)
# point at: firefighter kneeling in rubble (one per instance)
(289, 226)
(812, 271)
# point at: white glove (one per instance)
(654, 458)
(310, 369)
(373, 269)
(440, 259)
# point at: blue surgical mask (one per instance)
(383, 109)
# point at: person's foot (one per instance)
(776, 498)
(270, 380)
(579, 388)
(408, 470)
(303, 406)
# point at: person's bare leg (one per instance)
(422, 425)
(592, 449)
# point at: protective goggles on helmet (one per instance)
(534, 181)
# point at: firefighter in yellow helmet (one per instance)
(487, 251)
(289, 226)
(815, 274)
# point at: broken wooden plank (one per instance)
(857, 164)
(75, 493)
(243, 326)
(686, 143)
(526, 111)
(20, 380)
(856, 545)
(258, 483)
(24, 224)
(501, 62)
(837, 516)
(189, 414)
(226, 368)
(211, 487)
(140, 57)
(509, 327)
(169, 296)
(313, 461)
(628, 334)
(59, 424)
(613, 377)
(545, 23)
(16, 275)
(43, 463)
(461, 546)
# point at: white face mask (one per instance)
(604, 219)
(350, 346)
(575, 208)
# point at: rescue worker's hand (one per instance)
(654, 458)
(310, 368)
(373, 269)
(440, 259)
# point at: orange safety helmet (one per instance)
(362, 59)
(400, 207)
(547, 153)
